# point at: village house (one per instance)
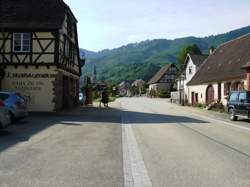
(39, 53)
(125, 89)
(164, 80)
(222, 72)
(139, 85)
(191, 66)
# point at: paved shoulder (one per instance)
(75, 148)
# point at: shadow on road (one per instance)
(150, 118)
(22, 131)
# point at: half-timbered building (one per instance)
(39, 53)
(165, 79)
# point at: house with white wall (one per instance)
(191, 66)
(222, 72)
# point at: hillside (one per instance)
(142, 60)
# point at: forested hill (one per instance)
(144, 59)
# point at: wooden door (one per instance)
(192, 98)
(210, 94)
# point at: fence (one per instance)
(175, 97)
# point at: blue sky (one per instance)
(111, 23)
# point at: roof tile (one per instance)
(231, 55)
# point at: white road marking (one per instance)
(135, 172)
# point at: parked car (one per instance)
(4, 116)
(15, 104)
(239, 105)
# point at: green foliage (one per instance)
(163, 94)
(199, 105)
(191, 49)
(96, 95)
(144, 59)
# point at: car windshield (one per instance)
(234, 96)
(4, 96)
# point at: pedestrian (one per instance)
(105, 98)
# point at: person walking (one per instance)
(104, 98)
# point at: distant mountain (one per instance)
(144, 59)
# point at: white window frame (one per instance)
(22, 43)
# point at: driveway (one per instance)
(137, 142)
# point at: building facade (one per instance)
(39, 53)
(221, 73)
(191, 66)
(125, 89)
(164, 80)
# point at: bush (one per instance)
(199, 105)
(96, 95)
(216, 106)
(164, 94)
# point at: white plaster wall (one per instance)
(201, 90)
(223, 96)
(189, 76)
(152, 87)
(216, 94)
(38, 92)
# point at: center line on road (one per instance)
(135, 172)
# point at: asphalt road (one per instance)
(137, 142)
(180, 146)
(74, 148)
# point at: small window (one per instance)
(234, 97)
(243, 96)
(21, 42)
(190, 70)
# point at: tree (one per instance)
(189, 49)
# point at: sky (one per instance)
(107, 24)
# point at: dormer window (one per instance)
(21, 42)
